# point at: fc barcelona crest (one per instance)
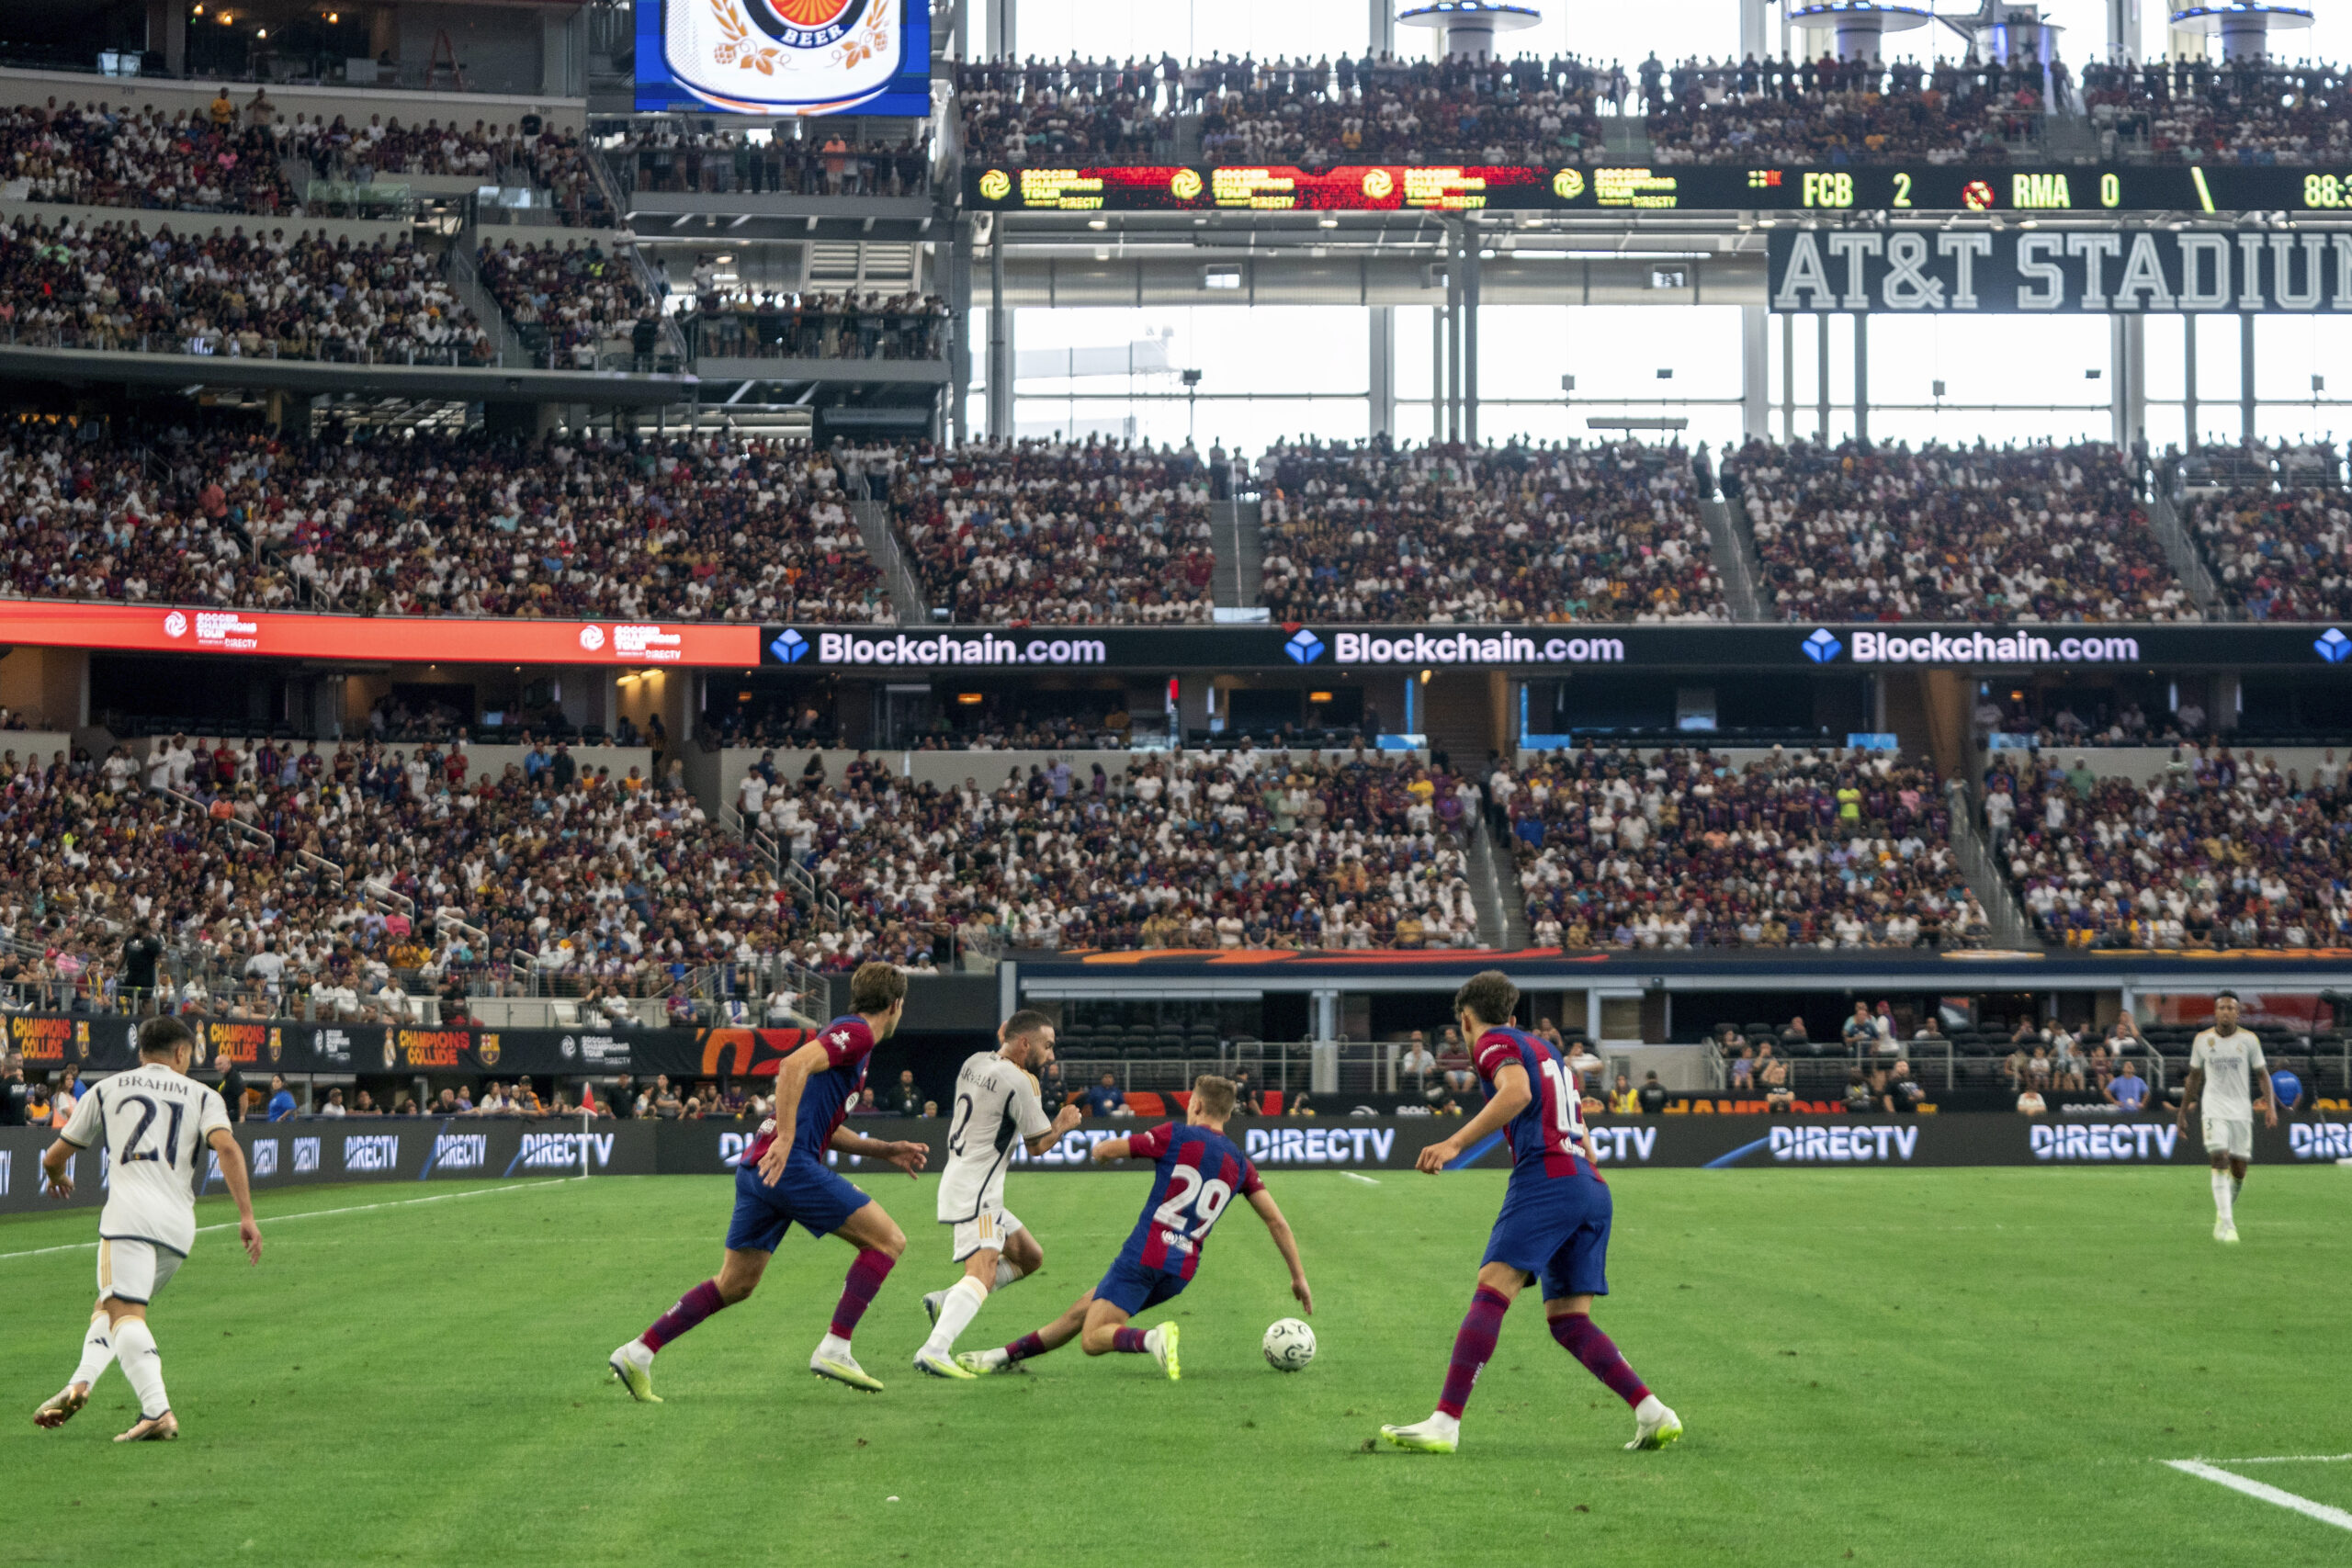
(784, 57)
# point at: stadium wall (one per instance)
(356, 104)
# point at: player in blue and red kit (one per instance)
(782, 1180)
(1554, 1227)
(1197, 1173)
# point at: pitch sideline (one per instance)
(2267, 1493)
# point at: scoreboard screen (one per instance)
(1854, 189)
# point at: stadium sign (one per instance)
(2142, 272)
(784, 57)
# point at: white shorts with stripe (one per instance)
(2231, 1136)
(989, 1228)
(132, 1270)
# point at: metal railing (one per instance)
(217, 344)
(232, 824)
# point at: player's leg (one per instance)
(141, 1268)
(97, 1355)
(1576, 1276)
(754, 1231)
(1022, 1255)
(980, 1244)
(1053, 1336)
(1499, 1282)
(2217, 1152)
(1128, 1289)
(880, 1244)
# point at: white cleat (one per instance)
(152, 1430)
(2226, 1230)
(842, 1368)
(931, 1304)
(1441, 1434)
(1654, 1425)
(632, 1364)
(980, 1363)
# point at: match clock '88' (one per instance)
(1289, 1345)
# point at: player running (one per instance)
(1554, 1226)
(1198, 1171)
(996, 1101)
(2225, 1072)
(781, 1179)
(152, 1121)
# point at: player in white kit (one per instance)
(2226, 1077)
(153, 1120)
(996, 1105)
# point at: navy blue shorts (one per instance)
(1132, 1288)
(818, 1199)
(1555, 1228)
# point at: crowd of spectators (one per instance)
(1952, 533)
(662, 157)
(2249, 109)
(1842, 111)
(2283, 555)
(2224, 851)
(704, 529)
(99, 156)
(1056, 530)
(1687, 848)
(567, 302)
(120, 285)
(816, 325)
(1450, 532)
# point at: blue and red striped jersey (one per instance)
(1546, 1138)
(1198, 1173)
(826, 1097)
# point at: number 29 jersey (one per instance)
(1198, 1173)
(1547, 1138)
(153, 1122)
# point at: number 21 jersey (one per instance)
(154, 1123)
(1199, 1172)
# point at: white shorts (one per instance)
(135, 1271)
(991, 1228)
(2233, 1138)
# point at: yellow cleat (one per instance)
(632, 1364)
(1165, 1353)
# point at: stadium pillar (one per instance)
(1453, 332)
(2246, 375)
(1000, 340)
(167, 33)
(1821, 376)
(1382, 348)
(2126, 370)
(1788, 376)
(1861, 378)
(1382, 31)
(959, 334)
(1755, 352)
(1752, 25)
(2188, 382)
(1470, 332)
(1002, 16)
(2123, 32)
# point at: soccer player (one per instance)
(153, 1119)
(1197, 1171)
(996, 1101)
(782, 1180)
(2225, 1074)
(1554, 1227)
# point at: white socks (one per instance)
(1152, 1340)
(134, 1347)
(2224, 1193)
(98, 1351)
(833, 1346)
(957, 1310)
(1007, 1271)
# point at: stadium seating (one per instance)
(1687, 848)
(1596, 533)
(817, 326)
(2252, 111)
(723, 162)
(100, 157)
(2279, 553)
(564, 301)
(1952, 533)
(1831, 111)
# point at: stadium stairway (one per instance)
(2012, 927)
(882, 543)
(2181, 551)
(1240, 545)
(465, 281)
(1734, 559)
(1502, 919)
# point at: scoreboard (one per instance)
(1892, 188)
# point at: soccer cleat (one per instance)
(1654, 1425)
(1441, 1434)
(930, 1360)
(62, 1406)
(842, 1368)
(980, 1364)
(930, 1307)
(1165, 1352)
(150, 1429)
(632, 1364)
(2226, 1230)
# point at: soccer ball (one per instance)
(1289, 1345)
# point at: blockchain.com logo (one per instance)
(1820, 648)
(790, 646)
(2333, 646)
(1303, 646)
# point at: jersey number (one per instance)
(961, 1124)
(1564, 1096)
(169, 1153)
(1186, 1189)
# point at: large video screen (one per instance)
(785, 57)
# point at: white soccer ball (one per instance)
(1289, 1345)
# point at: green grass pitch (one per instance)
(1904, 1368)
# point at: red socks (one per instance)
(691, 1309)
(1129, 1340)
(1028, 1345)
(1472, 1347)
(1580, 1337)
(866, 1273)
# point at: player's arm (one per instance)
(232, 1171)
(1286, 1243)
(2190, 1087)
(1512, 1095)
(2259, 1070)
(907, 1155)
(791, 1078)
(1108, 1150)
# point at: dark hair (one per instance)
(1489, 997)
(2228, 996)
(1028, 1020)
(876, 987)
(162, 1036)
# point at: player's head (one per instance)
(166, 1039)
(1213, 1101)
(878, 993)
(1028, 1038)
(1487, 1000)
(2225, 1011)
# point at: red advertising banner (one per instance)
(400, 639)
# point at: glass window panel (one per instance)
(2217, 360)
(2290, 350)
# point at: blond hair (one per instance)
(1214, 1097)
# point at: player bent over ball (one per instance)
(1554, 1226)
(995, 1103)
(1196, 1172)
(782, 1180)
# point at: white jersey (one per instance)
(996, 1105)
(2233, 1066)
(154, 1124)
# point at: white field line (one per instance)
(2287, 1459)
(1367, 1180)
(2272, 1494)
(312, 1214)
